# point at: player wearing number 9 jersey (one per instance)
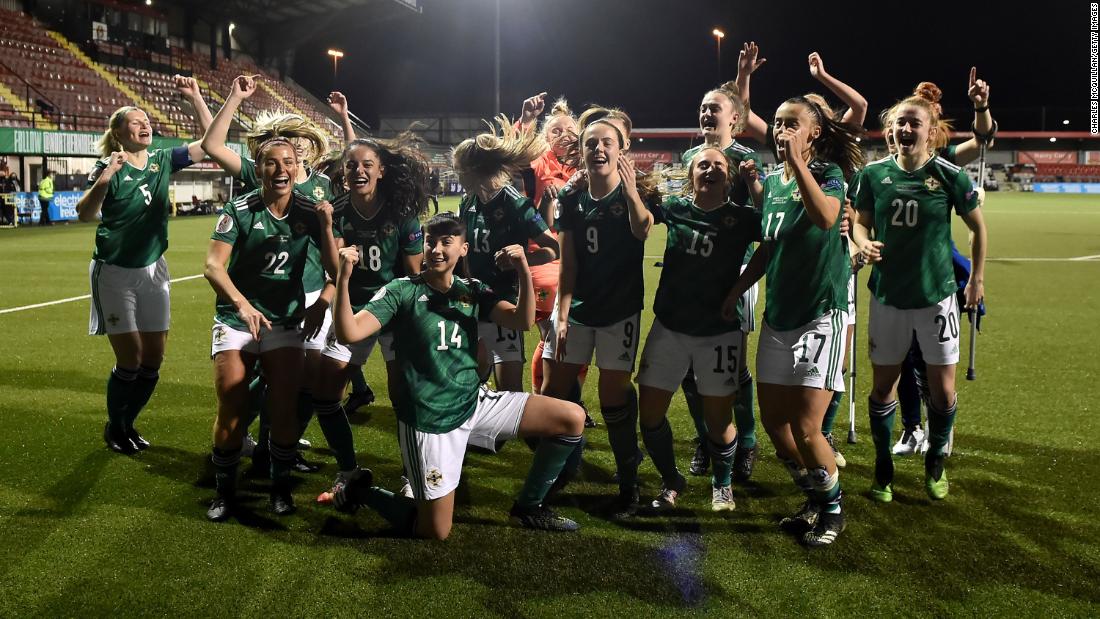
(707, 236)
(600, 292)
(440, 401)
(798, 363)
(255, 264)
(496, 216)
(128, 272)
(904, 229)
(387, 184)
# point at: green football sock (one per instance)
(658, 442)
(694, 404)
(398, 510)
(282, 461)
(225, 470)
(120, 388)
(940, 423)
(550, 458)
(334, 425)
(882, 431)
(622, 434)
(742, 412)
(721, 458)
(143, 390)
(826, 489)
(830, 413)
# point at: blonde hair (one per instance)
(927, 96)
(108, 143)
(686, 175)
(283, 124)
(498, 154)
(730, 91)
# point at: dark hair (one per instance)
(405, 186)
(446, 224)
(648, 184)
(837, 142)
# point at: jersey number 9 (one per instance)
(592, 235)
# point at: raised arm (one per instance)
(89, 204)
(751, 176)
(188, 87)
(532, 109)
(857, 105)
(978, 91)
(821, 209)
(641, 220)
(748, 61)
(339, 104)
(217, 257)
(520, 316)
(350, 327)
(213, 142)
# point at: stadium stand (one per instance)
(1066, 173)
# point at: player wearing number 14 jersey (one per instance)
(440, 401)
(904, 229)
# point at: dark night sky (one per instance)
(655, 58)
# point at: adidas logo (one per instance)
(258, 226)
(511, 348)
(887, 181)
(813, 373)
(730, 381)
(624, 357)
(127, 178)
(423, 297)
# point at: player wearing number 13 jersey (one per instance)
(707, 236)
(904, 229)
(128, 272)
(440, 402)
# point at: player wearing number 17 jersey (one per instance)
(440, 401)
(707, 236)
(904, 229)
(798, 362)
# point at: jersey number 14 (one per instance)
(456, 336)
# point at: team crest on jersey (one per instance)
(796, 195)
(319, 193)
(617, 209)
(225, 224)
(389, 229)
(299, 227)
(434, 477)
(465, 300)
(498, 214)
(219, 334)
(729, 221)
(154, 167)
(932, 184)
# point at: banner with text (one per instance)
(1046, 156)
(15, 141)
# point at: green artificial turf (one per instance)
(86, 532)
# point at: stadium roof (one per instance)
(259, 12)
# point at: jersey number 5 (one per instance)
(456, 337)
(145, 192)
(706, 249)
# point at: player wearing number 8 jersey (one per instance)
(798, 363)
(904, 229)
(256, 264)
(128, 272)
(600, 293)
(440, 401)
(707, 236)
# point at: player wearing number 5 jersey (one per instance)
(904, 229)
(256, 264)
(440, 401)
(799, 359)
(128, 272)
(603, 230)
(387, 184)
(496, 216)
(707, 237)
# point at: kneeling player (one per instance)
(439, 399)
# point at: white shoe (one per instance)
(722, 499)
(406, 488)
(248, 446)
(912, 440)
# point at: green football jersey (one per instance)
(133, 232)
(949, 153)
(809, 267)
(912, 212)
(703, 251)
(268, 258)
(317, 187)
(381, 240)
(737, 153)
(510, 218)
(609, 284)
(435, 344)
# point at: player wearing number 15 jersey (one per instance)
(904, 229)
(707, 236)
(440, 401)
(798, 363)
(128, 272)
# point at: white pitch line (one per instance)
(80, 298)
(1077, 259)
